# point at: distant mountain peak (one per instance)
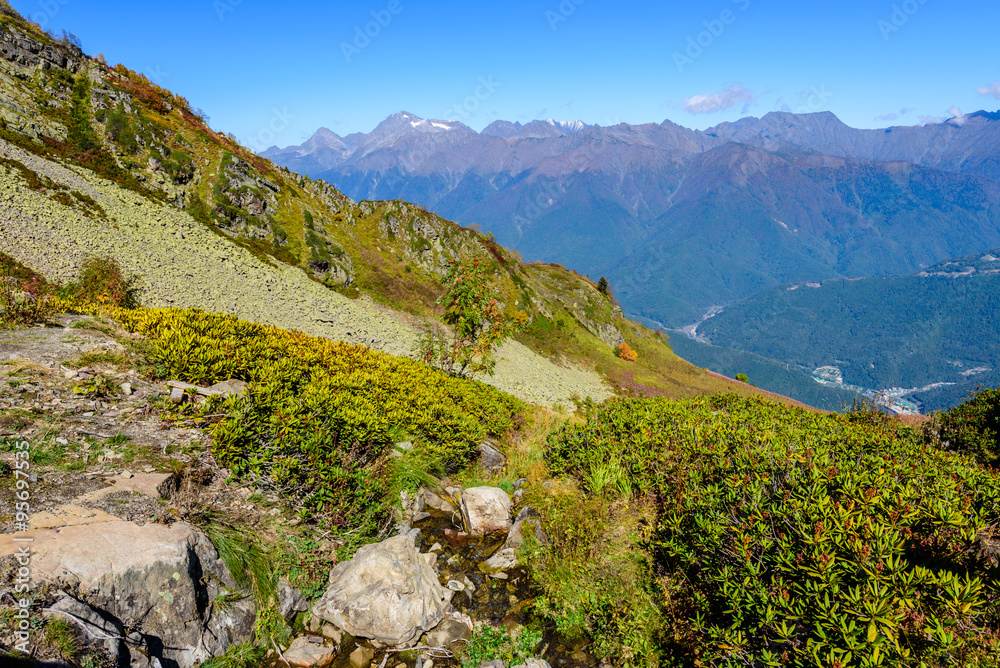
(571, 127)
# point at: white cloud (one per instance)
(931, 120)
(729, 97)
(957, 117)
(993, 90)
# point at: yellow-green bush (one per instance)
(315, 421)
(789, 538)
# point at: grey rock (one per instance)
(490, 458)
(533, 663)
(290, 600)
(158, 575)
(485, 510)
(386, 593)
(362, 657)
(447, 632)
(304, 653)
(228, 388)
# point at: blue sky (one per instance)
(275, 72)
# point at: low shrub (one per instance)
(25, 297)
(315, 423)
(972, 427)
(490, 643)
(102, 281)
(785, 537)
(626, 352)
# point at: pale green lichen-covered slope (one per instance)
(186, 265)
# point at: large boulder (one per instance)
(155, 583)
(485, 510)
(388, 593)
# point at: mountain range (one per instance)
(682, 220)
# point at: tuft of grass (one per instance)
(61, 636)
(245, 655)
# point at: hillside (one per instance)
(97, 160)
(682, 220)
(934, 327)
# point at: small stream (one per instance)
(499, 599)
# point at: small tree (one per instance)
(602, 286)
(626, 352)
(477, 321)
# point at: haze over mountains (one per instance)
(682, 220)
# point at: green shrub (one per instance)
(790, 538)
(489, 643)
(103, 282)
(24, 295)
(316, 421)
(179, 166)
(972, 427)
(81, 134)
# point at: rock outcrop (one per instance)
(147, 591)
(388, 593)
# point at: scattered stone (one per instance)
(420, 517)
(362, 657)
(457, 539)
(431, 500)
(386, 593)
(127, 389)
(506, 556)
(127, 475)
(500, 575)
(486, 510)
(306, 654)
(490, 458)
(436, 547)
(290, 600)
(332, 632)
(228, 388)
(455, 585)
